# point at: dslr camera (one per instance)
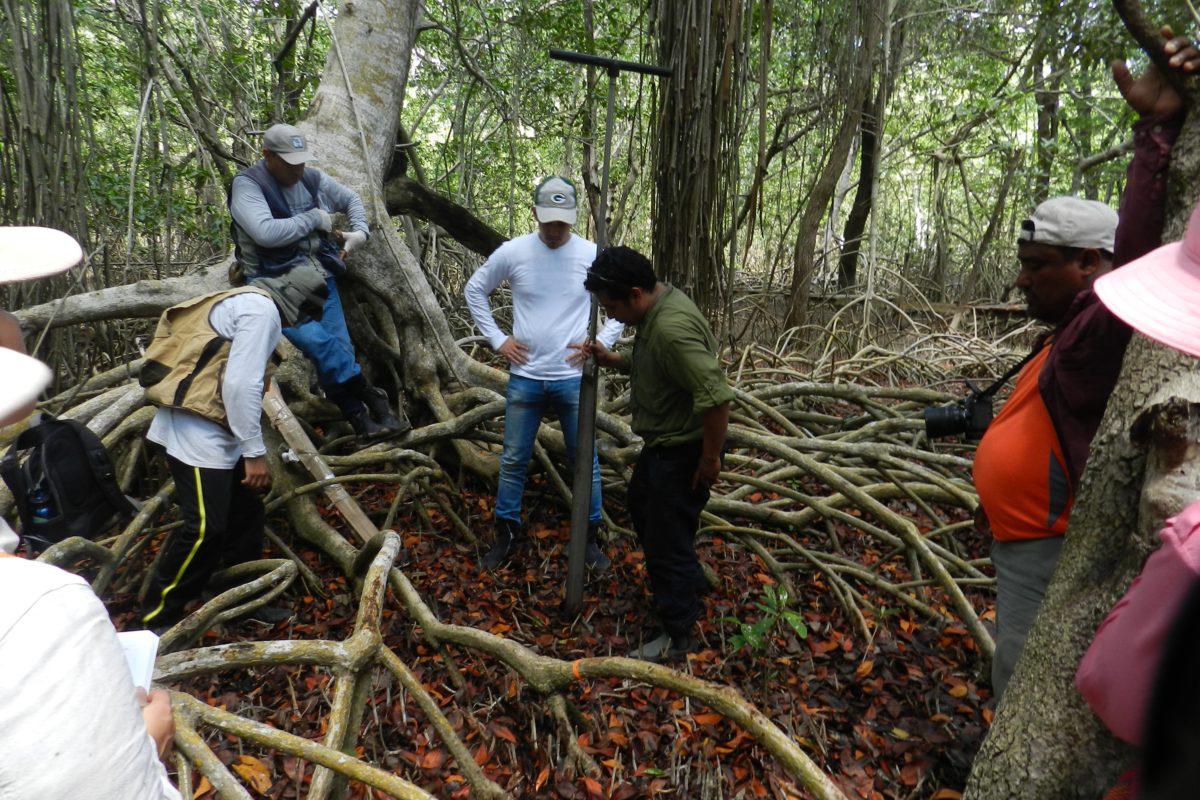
(970, 416)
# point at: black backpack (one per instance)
(65, 486)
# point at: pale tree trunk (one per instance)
(1045, 742)
(863, 41)
(353, 130)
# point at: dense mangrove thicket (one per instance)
(838, 185)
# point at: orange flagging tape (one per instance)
(575, 671)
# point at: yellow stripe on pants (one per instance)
(195, 547)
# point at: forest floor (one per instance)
(900, 716)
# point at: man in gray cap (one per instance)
(545, 270)
(1030, 460)
(281, 219)
(206, 369)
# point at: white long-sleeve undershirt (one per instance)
(550, 305)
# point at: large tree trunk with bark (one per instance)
(697, 39)
(863, 39)
(353, 124)
(1045, 742)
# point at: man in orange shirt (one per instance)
(1029, 462)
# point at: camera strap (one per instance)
(1003, 379)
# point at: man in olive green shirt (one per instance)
(680, 403)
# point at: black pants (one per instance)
(222, 526)
(666, 513)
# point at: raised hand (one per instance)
(1151, 92)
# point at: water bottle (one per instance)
(43, 508)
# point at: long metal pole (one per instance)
(585, 435)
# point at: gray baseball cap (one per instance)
(287, 142)
(1071, 222)
(554, 200)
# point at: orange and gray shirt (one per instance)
(1030, 461)
(1020, 471)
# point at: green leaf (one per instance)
(797, 623)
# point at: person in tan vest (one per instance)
(206, 370)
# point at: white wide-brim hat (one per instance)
(1158, 294)
(24, 379)
(29, 252)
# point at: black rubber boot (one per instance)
(345, 396)
(365, 428)
(509, 537)
(376, 401)
(594, 557)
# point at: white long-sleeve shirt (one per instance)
(550, 305)
(251, 322)
(70, 725)
(250, 210)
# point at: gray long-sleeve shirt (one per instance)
(251, 212)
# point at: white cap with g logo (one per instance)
(554, 200)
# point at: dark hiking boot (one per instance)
(377, 402)
(509, 537)
(365, 428)
(355, 411)
(594, 557)
(664, 647)
(360, 394)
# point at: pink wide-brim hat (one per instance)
(1158, 295)
(27, 253)
(24, 379)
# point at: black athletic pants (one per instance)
(666, 513)
(222, 526)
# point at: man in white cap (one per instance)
(71, 722)
(206, 369)
(545, 271)
(1029, 461)
(281, 218)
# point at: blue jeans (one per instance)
(527, 400)
(327, 343)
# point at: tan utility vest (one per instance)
(185, 362)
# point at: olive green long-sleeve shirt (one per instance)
(674, 373)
